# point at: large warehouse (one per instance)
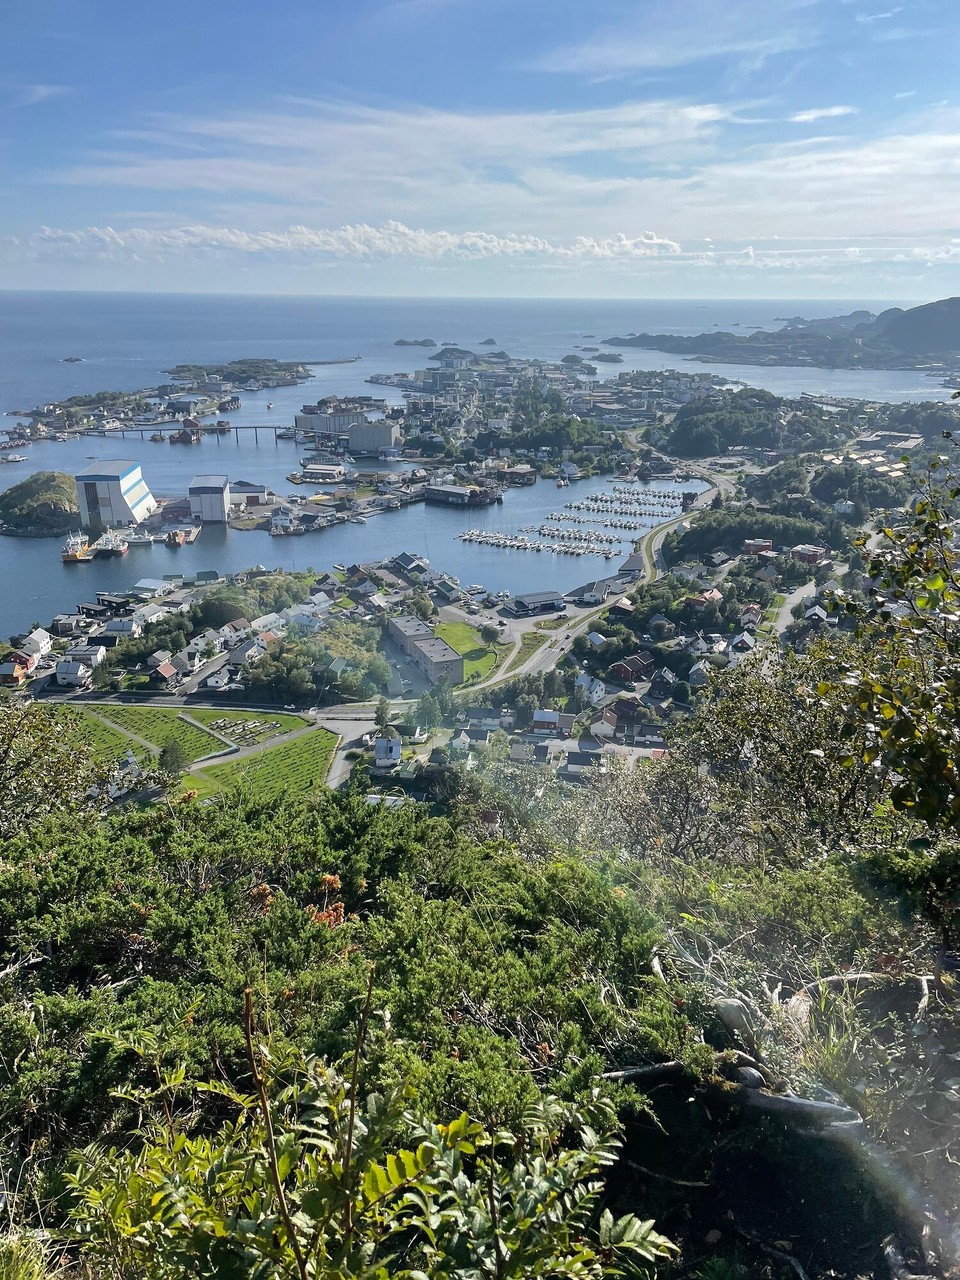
(210, 499)
(112, 494)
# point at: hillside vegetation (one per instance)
(44, 503)
(533, 1029)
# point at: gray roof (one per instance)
(209, 482)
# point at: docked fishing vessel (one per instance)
(76, 549)
(111, 544)
(139, 538)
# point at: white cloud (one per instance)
(391, 240)
(663, 34)
(879, 17)
(647, 254)
(29, 95)
(821, 113)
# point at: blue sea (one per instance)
(126, 341)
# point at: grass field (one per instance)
(530, 643)
(159, 725)
(289, 769)
(553, 624)
(108, 743)
(477, 658)
(246, 727)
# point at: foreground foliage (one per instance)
(312, 1180)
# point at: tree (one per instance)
(489, 633)
(44, 766)
(173, 759)
(427, 714)
(382, 713)
(904, 698)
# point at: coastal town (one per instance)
(715, 520)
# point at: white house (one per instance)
(89, 654)
(37, 644)
(73, 674)
(123, 627)
(268, 622)
(594, 690)
(387, 752)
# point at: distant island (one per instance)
(919, 337)
(239, 371)
(42, 506)
(488, 342)
(415, 342)
(453, 353)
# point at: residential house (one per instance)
(220, 679)
(527, 750)
(73, 674)
(565, 723)
(158, 658)
(753, 546)
(699, 675)
(660, 625)
(248, 653)
(622, 608)
(37, 644)
(165, 674)
(484, 718)
(595, 640)
(268, 622)
(89, 654)
(387, 752)
(123, 628)
(15, 672)
(816, 616)
(647, 734)
(705, 599)
(743, 643)
(605, 726)
(545, 721)
(233, 632)
(768, 575)
(807, 553)
(593, 690)
(465, 740)
(578, 763)
(639, 666)
(661, 684)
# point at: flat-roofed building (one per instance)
(407, 630)
(210, 499)
(113, 493)
(437, 660)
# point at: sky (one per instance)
(538, 148)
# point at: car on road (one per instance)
(289, 706)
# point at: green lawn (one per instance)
(108, 743)
(530, 643)
(289, 769)
(245, 727)
(159, 725)
(466, 641)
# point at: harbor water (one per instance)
(126, 341)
